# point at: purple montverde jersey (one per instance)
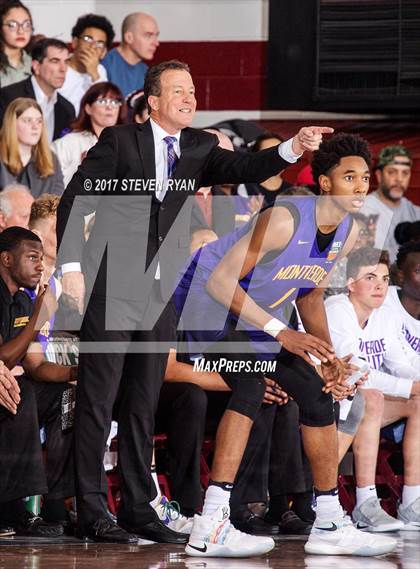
(276, 281)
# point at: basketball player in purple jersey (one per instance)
(244, 283)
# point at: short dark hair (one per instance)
(39, 50)
(12, 237)
(139, 106)
(94, 21)
(334, 148)
(364, 257)
(262, 137)
(152, 84)
(97, 90)
(405, 250)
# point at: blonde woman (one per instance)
(25, 156)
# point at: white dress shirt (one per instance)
(47, 105)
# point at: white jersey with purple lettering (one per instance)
(407, 324)
(377, 343)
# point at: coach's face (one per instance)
(174, 108)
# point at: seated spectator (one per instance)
(49, 67)
(404, 302)
(15, 35)
(125, 64)
(92, 36)
(43, 218)
(407, 231)
(360, 325)
(25, 156)
(393, 173)
(15, 206)
(274, 186)
(138, 105)
(34, 400)
(101, 106)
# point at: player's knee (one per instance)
(193, 400)
(318, 414)
(374, 401)
(247, 397)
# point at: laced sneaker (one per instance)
(340, 537)
(215, 536)
(169, 513)
(370, 516)
(410, 516)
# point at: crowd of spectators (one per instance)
(55, 101)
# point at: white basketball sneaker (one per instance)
(340, 537)
(215, 536)
(410, 516)
(169, 513)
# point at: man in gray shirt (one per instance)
(393, 173)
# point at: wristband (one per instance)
(273, 327)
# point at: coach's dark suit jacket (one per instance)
(128, 223)
(63, 109)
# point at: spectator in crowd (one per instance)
(361, 325)
(33, 400)
(101, 107)
(42, 221)
(404, 302)
(138, 105)
(393, 173)
(25, 156)
(92, 36)
(273, 187)
(15, 206)
(15, 35)
(49, 67)
(125, 64)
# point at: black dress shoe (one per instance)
(289, 523)
(156, 531)
(29, 524)
(249, 522)
(105, 530)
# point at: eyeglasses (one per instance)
(364, 233)
(99, 44)
(103, 102)
(25, 26)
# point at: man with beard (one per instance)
(393, 173)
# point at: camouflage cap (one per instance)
(388, 153)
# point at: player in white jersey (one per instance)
(404, 302)
(360, 325)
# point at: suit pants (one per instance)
(136, 377)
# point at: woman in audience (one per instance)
(25, 156)
(101, 106)
(15, 34)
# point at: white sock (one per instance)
(155, 501)
(363, 494)
(214, 498)
(328, 508)
(410, 494)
